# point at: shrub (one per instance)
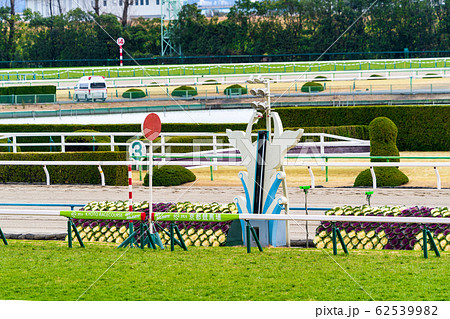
(64, 174)
(320, 78)
(235, 89)
(184, 91)
(88, 139)
(170, 175)
(432, 76)
(133, 94)
(23, 90)
(383, 138)
(376, 77)
(420, 127)
(386, 176)
(8, 146)
(211, 82)
(312, 87)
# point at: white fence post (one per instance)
(313, 184)
(14, 140)
(102, 175)
(63, 144)
(47, 175)
(374, 178)
(215, 151)
(438, 177)
(112, 142)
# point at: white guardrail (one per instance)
(370, 165)
(217, 141)
(215, 157)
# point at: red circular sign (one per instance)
(151, 127)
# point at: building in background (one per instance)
(137, 8)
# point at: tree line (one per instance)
(266, 27)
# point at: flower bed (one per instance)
(194, 233)
(399, 236)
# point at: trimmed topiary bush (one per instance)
(235, 89)
(386, 176)
(133, 94)
(211, 82)
(170, 175)
(184, 91)
(320, 78)
(376, 77)
(310, 87)
(383, 137)
(88, 139)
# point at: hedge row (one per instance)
(64, 174)
(420, 128)
(23, 90)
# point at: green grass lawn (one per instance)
(48, 270)
(217, 69)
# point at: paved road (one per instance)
(320, 197)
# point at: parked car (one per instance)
(91, 88)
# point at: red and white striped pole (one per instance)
(130, 189)
(121, 55)
(120, 43)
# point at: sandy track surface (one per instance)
(81, 194)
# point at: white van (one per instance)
(91, 88)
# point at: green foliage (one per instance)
(353, 131)
(184, 91)
(312, 87)
(88, 139)
(7, 147)
(420, 127)
(133, 94)
(386, 176)
(24, 90)
(320, 78)
(383, 138)
(64, 174)
(170, 175)
(432, 76)
(383, 135)
(235, 89)
(376, 77)
(211, 82)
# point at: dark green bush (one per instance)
(211, 82)
(64, 174)
(184, 91)
(235, 89)
(133, 94)
(376, 77)
(420, 127)
(320, 78)
(312, 87)
(432, 76)
(170, 175)
(386, 176)
(88, 139)
(383, 139)
(6, 146)
(23, 90)
(383, 135)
